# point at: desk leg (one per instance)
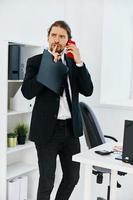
(113, 186)
(87, 182)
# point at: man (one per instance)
(56, 122)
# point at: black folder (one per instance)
(13, 62)
(51, 74)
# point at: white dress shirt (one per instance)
(64, 112)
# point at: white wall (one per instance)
(117, 52)
(28, 20)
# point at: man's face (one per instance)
(57, 37)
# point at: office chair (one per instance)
(94, 137)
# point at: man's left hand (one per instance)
(75, 51)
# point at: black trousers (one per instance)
(65, 145)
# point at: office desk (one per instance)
(90, 158)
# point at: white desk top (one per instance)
(89, 157)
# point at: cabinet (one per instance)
(21, 159)
(117, 62)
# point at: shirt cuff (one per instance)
(79, 64)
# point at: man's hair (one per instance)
(61, 24)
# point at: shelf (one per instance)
(15, 161)
(18, 169)
(13, 112)
(15, 81)
(25, 146)
(33, 45)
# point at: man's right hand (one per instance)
(56, 55)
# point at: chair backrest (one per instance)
(92, 130)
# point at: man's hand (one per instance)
(56, 55)
(75, 51)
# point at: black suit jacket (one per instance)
(46, 106)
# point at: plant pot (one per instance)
(21, 139)
(12, 142)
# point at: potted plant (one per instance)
(22, 131)
(11, 139)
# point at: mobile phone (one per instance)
(69, 54)
(104, 152)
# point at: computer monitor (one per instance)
(127, 154)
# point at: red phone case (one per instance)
(69, 54)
